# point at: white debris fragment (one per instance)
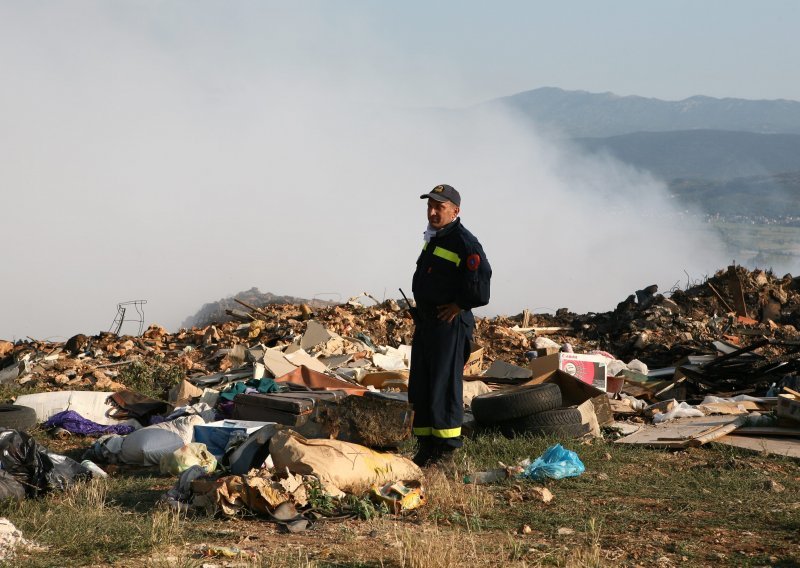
(11, 539)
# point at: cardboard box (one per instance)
(474, 365)
(788, 406)
(590, 369)
(575, 392)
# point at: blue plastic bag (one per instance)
(555, 463)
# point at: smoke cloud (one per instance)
(180, 153)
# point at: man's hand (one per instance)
(448, 312)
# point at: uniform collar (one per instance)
(449, 228)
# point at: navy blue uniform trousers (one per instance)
(438, 354)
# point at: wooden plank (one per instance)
(735, 288)
(780, 447)
(769, 431)
(789, 406)
(685, 432)
(713, 434)
(742, 407)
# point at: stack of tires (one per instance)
(534, 409)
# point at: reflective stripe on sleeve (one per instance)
(447, 255)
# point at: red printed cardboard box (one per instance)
(590, 369)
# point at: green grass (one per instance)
(151, 379)
(633, 506)
(10, 391)
(682, 497)
(97, 522)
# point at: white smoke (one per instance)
(182, 152)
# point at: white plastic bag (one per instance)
(683, 410)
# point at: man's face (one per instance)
(440, 213)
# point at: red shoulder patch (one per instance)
(473, 262)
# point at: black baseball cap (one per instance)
(443, 193)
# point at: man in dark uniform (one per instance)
(451, 278)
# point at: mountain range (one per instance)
(727, 156)
(581, 114)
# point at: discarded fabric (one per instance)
(260, 385)
(73, 422)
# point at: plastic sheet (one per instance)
(10, 488)
(187, 456)
(33, 466)
(556, 462)
(739, 398)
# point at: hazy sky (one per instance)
(180, 152)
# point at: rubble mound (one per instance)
(736, 306)
(217, 312)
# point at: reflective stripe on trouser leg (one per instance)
(422, 431)
(446, 432)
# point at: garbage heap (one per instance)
(737, 306)
(340, 373)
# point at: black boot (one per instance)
(441, 454)
(425, 451)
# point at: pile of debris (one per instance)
(732, 335)
(736, 306)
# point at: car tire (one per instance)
(560, 423)
(13, 417)
(510, 404)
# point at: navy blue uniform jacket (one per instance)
(452, 268)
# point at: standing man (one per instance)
(451, 278)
